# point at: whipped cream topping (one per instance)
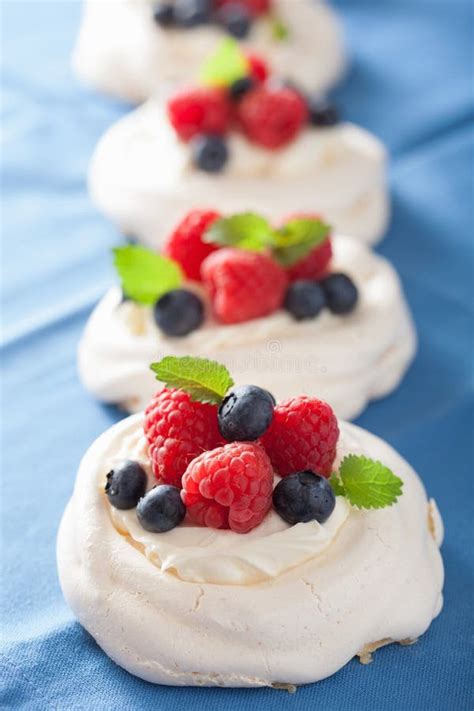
(203, 555)
(141, 177)
(379, 578)
(122, 51)
(345, 360)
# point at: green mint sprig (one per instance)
(366, 483)
(225, 65)
(145, 275)
(288, 243)
(204, 380)
(245, 230)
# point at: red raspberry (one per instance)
(258, 66)
(199, 110)
(230, 487)
(271, 116)
(303, 435)
(185, 244)
(243, 285)
(254, 7)
(314, 265)
(177, 430)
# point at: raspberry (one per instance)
(257, 66)
(254, 7)
(229, 487)
(303, 436)
(243, 285)
(272, 116)
(177, 430)
(185, 244)
(314, 265)
(202, 110)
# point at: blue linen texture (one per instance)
(410, 83)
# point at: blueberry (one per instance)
(161, 509)
(303, 497)
(236, 19)
(240, 87)
(191, 13)
(210, 153)
(126, 484)
(245, 413)
(178, 312)
(163, 14)
(341, 293)
(304, 299)
(322, 113)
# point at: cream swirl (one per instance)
(123, 52)
(141, 177)
(380, 578)
(344, 360)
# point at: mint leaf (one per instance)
(280, 31)
(248, 230)
(245, 230)
(204, 380)
(144, 274)
(225, 65)
(294, 240)
(366, 483)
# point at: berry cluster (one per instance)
(215, 463)
(303, 286)
(268, 113)
(234, 16)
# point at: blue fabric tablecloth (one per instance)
(411, 83)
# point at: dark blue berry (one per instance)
(240, 87)
(161, 509)
(210, 153)
(341, 293)
(163, 14)
(304, 299)
(126, 484)
(236, 19)
(191, 13)
(303, 497)
(322, 113)
(178, 312)
(245, 413)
